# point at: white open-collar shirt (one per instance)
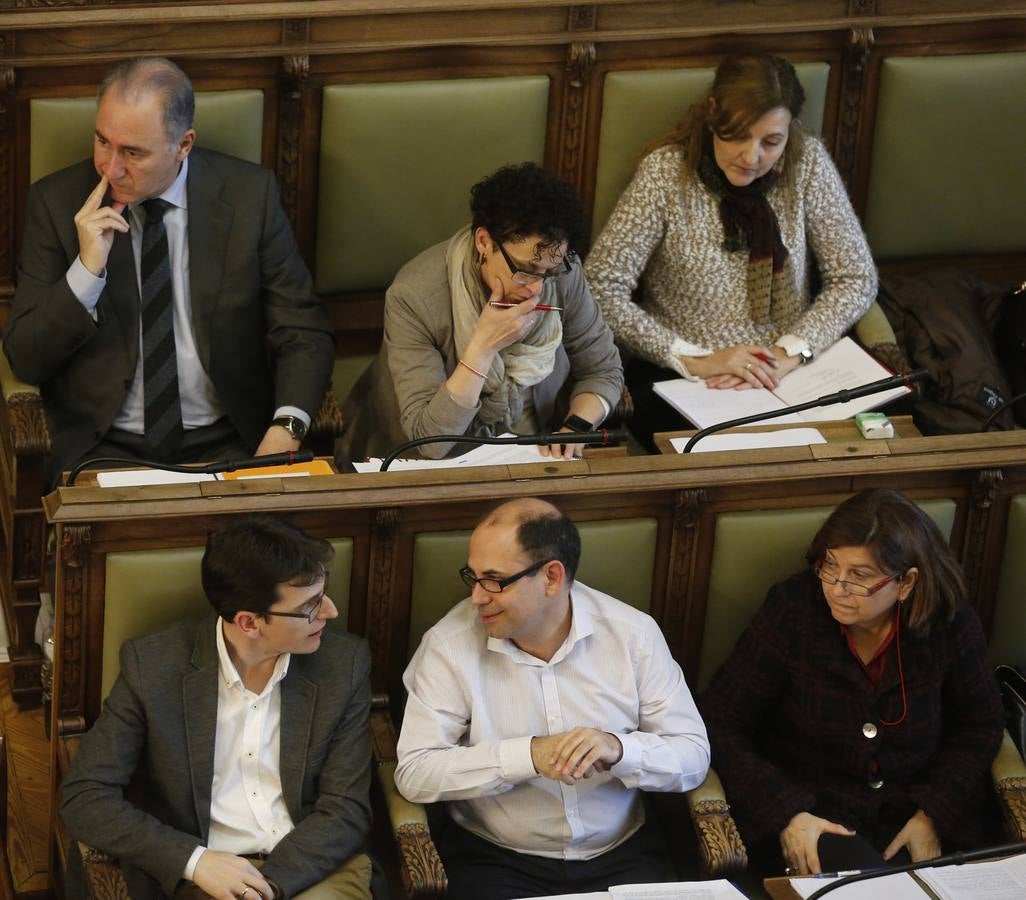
(475, 703)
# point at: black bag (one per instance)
(944, 319)
(1010, 342)
(1013, 693)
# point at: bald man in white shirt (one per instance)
(538, 710)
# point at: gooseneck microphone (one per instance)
(602, 437)
(905, 379)
(950, 859)
(224, 465)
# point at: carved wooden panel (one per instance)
(72, 583)
(574, 126)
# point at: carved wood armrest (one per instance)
(104, 877)
(419, 863)
(29, 434)
(1009, 773)
(721, 851)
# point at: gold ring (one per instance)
(749, 367)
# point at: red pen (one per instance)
(500, 304)
(762, 357)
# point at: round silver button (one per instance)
(876, 783)
(869, 730)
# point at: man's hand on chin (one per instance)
(276, 440)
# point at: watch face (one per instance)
(293, 426)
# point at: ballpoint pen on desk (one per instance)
(762, 357)
(502, 304)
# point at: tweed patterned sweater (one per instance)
(666, 232)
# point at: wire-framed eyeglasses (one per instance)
(498, 585)
(853, 587)
(521, 277)
(312, 606)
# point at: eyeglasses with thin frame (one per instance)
(852, 587)
(498, 585)
(310, 616)
(519, 276)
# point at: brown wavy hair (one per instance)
(745, 88)
(899, 536)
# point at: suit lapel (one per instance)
(210, 224)
(200, 700)
(123, 293)
(298, 696)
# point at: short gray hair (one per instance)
(134, 77)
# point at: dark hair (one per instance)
(900, 536)
(523, 200)
(551, 535)
(744, 89)
(134, 77)
(246, 560)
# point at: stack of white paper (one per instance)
(484, 455)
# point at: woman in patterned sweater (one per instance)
(724, 225)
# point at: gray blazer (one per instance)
(161, 717)
(250, 293)
(402, 394)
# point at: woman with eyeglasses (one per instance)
(493, 330)
(723, 226)
(856, 721)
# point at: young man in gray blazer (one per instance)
(203, 341)
(250, 729)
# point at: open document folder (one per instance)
(845, 365)
(484, 455)
(677, 890)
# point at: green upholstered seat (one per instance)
(1008, 632)
(753, 551)
(61, 128)
(148, 589)
(639, 106)
(347, 372)
(616, 557)
(398, 161)
(947, 174)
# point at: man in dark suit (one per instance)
(165, 311)
(251, 730)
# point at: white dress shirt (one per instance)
(200, 405)
(475, 702)
(247, 807)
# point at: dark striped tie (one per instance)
(163, 409)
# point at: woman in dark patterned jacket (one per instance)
(858, 714)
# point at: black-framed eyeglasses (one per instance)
(498, 585)
(519, 276)
(313, 606)
(853, 587)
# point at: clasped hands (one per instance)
(742, 367)
(572, 755)
(799, 841)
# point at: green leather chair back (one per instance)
(639, 106)
(347, 372)
(149, 589)
(61, 128)
(617, 557)
(398, 161)
(1008, 631)
(947, 174)
(753, 551)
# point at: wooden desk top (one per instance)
(838, 431)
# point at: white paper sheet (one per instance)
(677, 890)
(753, 440)
(142, 477)
(484, 455)
(893, 887)
(842, 366)
(1000, 879)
